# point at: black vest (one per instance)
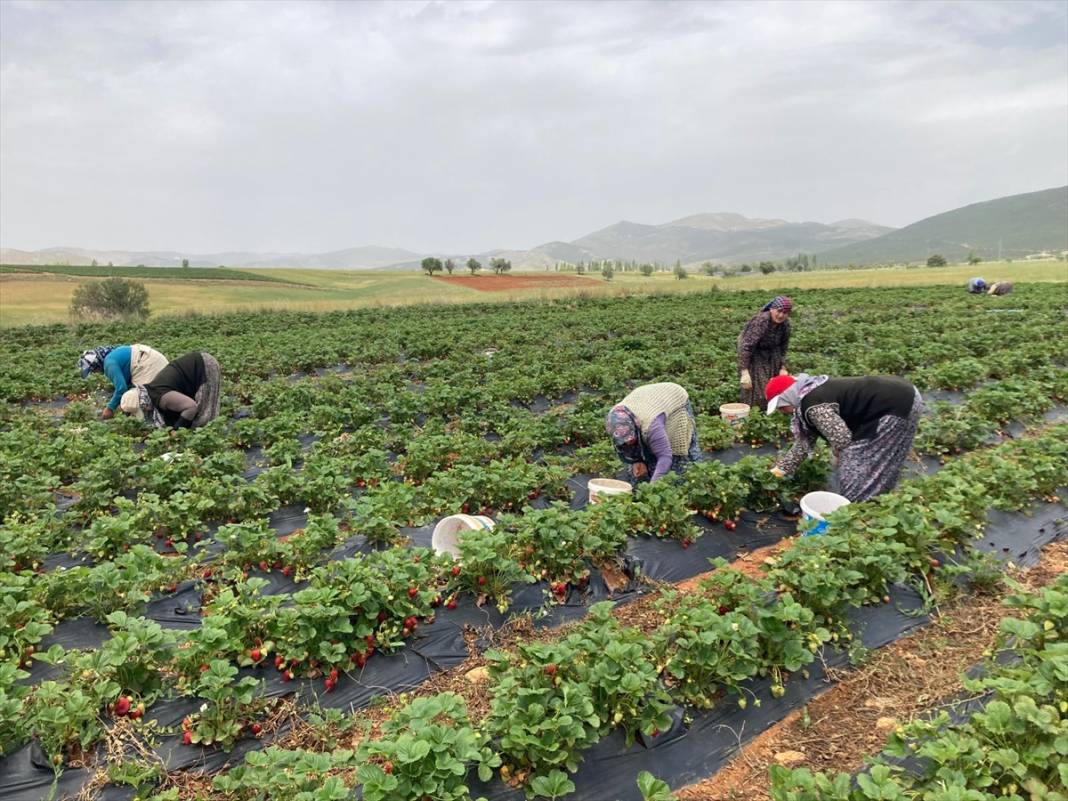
(863, 401)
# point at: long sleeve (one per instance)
(829, 423)
(750, 337)
(660, 445)
(113, 370)
(803, 441)
(785, 340)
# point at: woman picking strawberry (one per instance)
(653, 430)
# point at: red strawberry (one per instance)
(266, 568)
(287, 571)
(187, 738)
(187, 724)
(256, 728)
(481, 581)
(723, 610)
(137, 711)
(333, 675)
(381, 617)
(169, 543)
(410, 622)
(255, 654)
(413, 591)
(204, 668)
(388, 767)
(456, 570)
(122, 706)
(370, 640)
(730, 525)
(685, 543)
(450, 604)
(550, 669)
(279, 662)
(358, 659)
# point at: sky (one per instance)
(458, 127)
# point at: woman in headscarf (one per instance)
(977, 286)
(185, 394)
(762, 349)
(869, 422)
(124, 365)
(653, 429)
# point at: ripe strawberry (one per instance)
(137, 712)
(481, 581)
(287, 675)
(187, 738)
(723, 610)
(358, 659)
(388, 767)
(187, 724)
(409, 622)
(256, 728)
(279, 662)
(287, 571)
(255, 654)
(266, 568)
(550, 669)
(122, 706)
(451, 603)
(456, 570)
(685, 543)
(413, 591)
(329, 685)
(730, 525)
(204, 668)
(381, 617)
(333, 674)
(169, 542)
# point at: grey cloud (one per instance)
(464, 126)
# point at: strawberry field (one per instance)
(251, 610)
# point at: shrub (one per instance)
(110, 298)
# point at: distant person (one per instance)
(653, 430)
(185, 394)
(1000, 288)
(869, 422)
(124, 365)
(762, 349)
(977, 286)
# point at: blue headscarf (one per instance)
(93, 360)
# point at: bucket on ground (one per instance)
(815, 506)
(596, 488)
(446, 536)
(734, 413)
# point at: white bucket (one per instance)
(817, 505)
(446, 536)
(734, 413)
(597, 487)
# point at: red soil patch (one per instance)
(502, 283)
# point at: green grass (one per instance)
(45, 298)
(183, 273)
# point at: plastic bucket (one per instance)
(817, 505)
(597, 487)
(446, 536)
(734, 413)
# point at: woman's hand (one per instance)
(777, 472)
(639, 470)
(746, 381)
(107, 414)
(784, 371)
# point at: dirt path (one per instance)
(902, 681)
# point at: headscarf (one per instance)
(137, 403)
(93, 360)
(779, 303)
(793, 394)
(626, 435)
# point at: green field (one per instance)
(37, 298)
(181, 273)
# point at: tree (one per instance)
(449, 266)
(680, 272)
(500, 265)
(473, 265)
(580, 268)
(109, 299)
(973, 259)
(708, 268)
(432, 265)
(745, 268)
(94, 263)
(607, 272)
(766, 267)
(647, 270)
(936, 260)
(185, 264)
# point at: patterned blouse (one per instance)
(823, 419)
(761, 333)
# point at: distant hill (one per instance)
(1013, 227)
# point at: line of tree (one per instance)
(432, 264)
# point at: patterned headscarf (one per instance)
(626, 436)
(93, 360)
(780, 303)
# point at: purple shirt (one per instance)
(660, 445)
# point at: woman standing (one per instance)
(185, 393)
(762, 349)
(124, 365)
(869, 422)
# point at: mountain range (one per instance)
(1013, 226)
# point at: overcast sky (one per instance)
(459, 127)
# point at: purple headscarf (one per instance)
(780, 303)
(623, 428)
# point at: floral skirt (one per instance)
(870, 467)
(207, 396)
(763, 366)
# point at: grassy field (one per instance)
(45, 298)
(176, 273)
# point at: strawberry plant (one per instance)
(663, 510)
(488, 567)
(228, 705)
